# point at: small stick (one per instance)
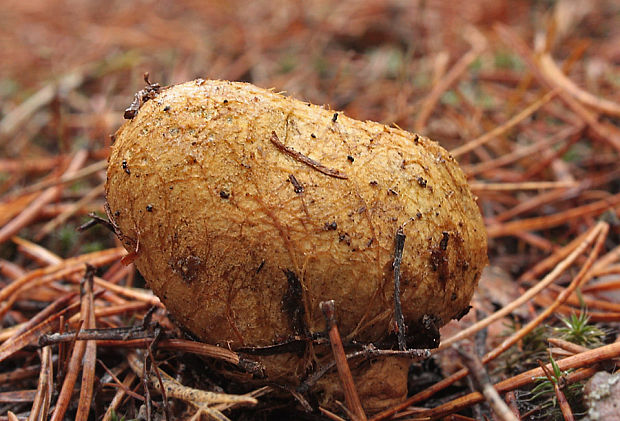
(567, 346)
(296, 184)
(482, 383)
(369, 351)
(145, 385)
(149, 354)
(329, 414)
(553, 220)
(90, 353)
(32, 210)
(598, 233)
(511, 401)
(306, 160)
(398, 310)
(42, 399)
(500, 130)
(95, 219)
(351, 398)
(130, 337)
(452, 76)
(567, 413)
(526, 185)
(62, 351)
(74, 363)
(201, 399)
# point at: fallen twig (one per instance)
(351, 397)
(201, 399)
(306, 160)
(482, 383)
(398, 311)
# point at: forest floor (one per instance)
(524, 94)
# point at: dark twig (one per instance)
(368, 352)
(306, 160)
(147, 391)
(351, 397)
(298, 188)
(159, 334)
(129, 337)
(294, 344)
(95, 219)
(118, 334)
(149, 92)
(398, 310)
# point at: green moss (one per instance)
(475, 65)
(450, 98)
(9, 88)
(540, 399)
(505, 59)
(67, 238)
(288, 62)
(577, 329)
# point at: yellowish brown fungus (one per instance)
(245, 209)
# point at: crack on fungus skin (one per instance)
(295, 346)
(380, 285)
(439, 259)
(282, 230)
(292, 303)
(230, 313)
(270, 213)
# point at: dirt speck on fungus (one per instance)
(187, 267)
(297, 187)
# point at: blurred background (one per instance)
(524, 94)
(373, 59)
(448, 69)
